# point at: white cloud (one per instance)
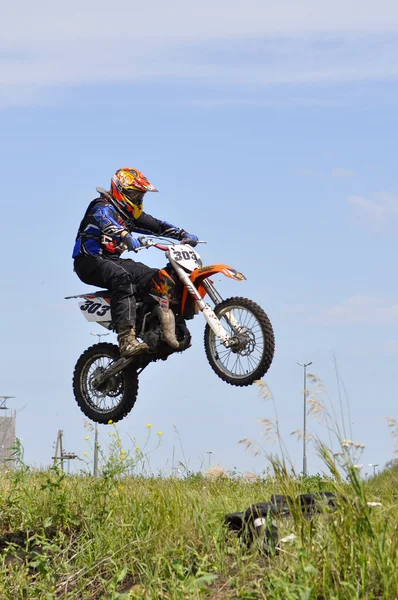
(360, 310)
(356, 310)
(341, 173)
(46, 21)
(365, 349)
(305, 172)
(266, 100)
(379, 211)
(389, 347)
(47, 43)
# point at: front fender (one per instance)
(199, 275)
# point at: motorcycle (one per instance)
(239, 339)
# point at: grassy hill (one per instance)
(119, 536)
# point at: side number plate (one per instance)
(96, 309)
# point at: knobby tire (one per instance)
(268, 339)
(130, 385)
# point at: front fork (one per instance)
(208, 313)
(217, 299)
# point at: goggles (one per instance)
(135, 196)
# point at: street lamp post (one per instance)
(305, 365)
(374, 468)
(99, 335)
(209, 452)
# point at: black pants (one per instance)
(123, 277)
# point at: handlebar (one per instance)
(149, 243)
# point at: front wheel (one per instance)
(116, 397)
(254, 343)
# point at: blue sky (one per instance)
(271, 133)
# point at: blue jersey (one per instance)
(102, 225)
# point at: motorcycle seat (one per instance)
(101, 294)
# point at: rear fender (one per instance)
(199, 275)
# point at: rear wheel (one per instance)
(251, 355)
(116, 397)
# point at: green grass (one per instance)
(120, 536)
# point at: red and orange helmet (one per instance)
(128, 188)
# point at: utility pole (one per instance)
(209, 452)
(69, 456)
(59, 450)
(60, 454)
(305, 365)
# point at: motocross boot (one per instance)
(129, 345)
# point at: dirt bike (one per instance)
(239, 339)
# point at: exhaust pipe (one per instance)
(168, 323)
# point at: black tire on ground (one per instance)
(265, 355)
(123, 385)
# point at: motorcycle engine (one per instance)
(153, 337)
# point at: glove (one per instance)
(131, 243)
(190, 238)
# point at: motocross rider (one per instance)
(104, 233)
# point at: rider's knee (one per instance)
(123, 282)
